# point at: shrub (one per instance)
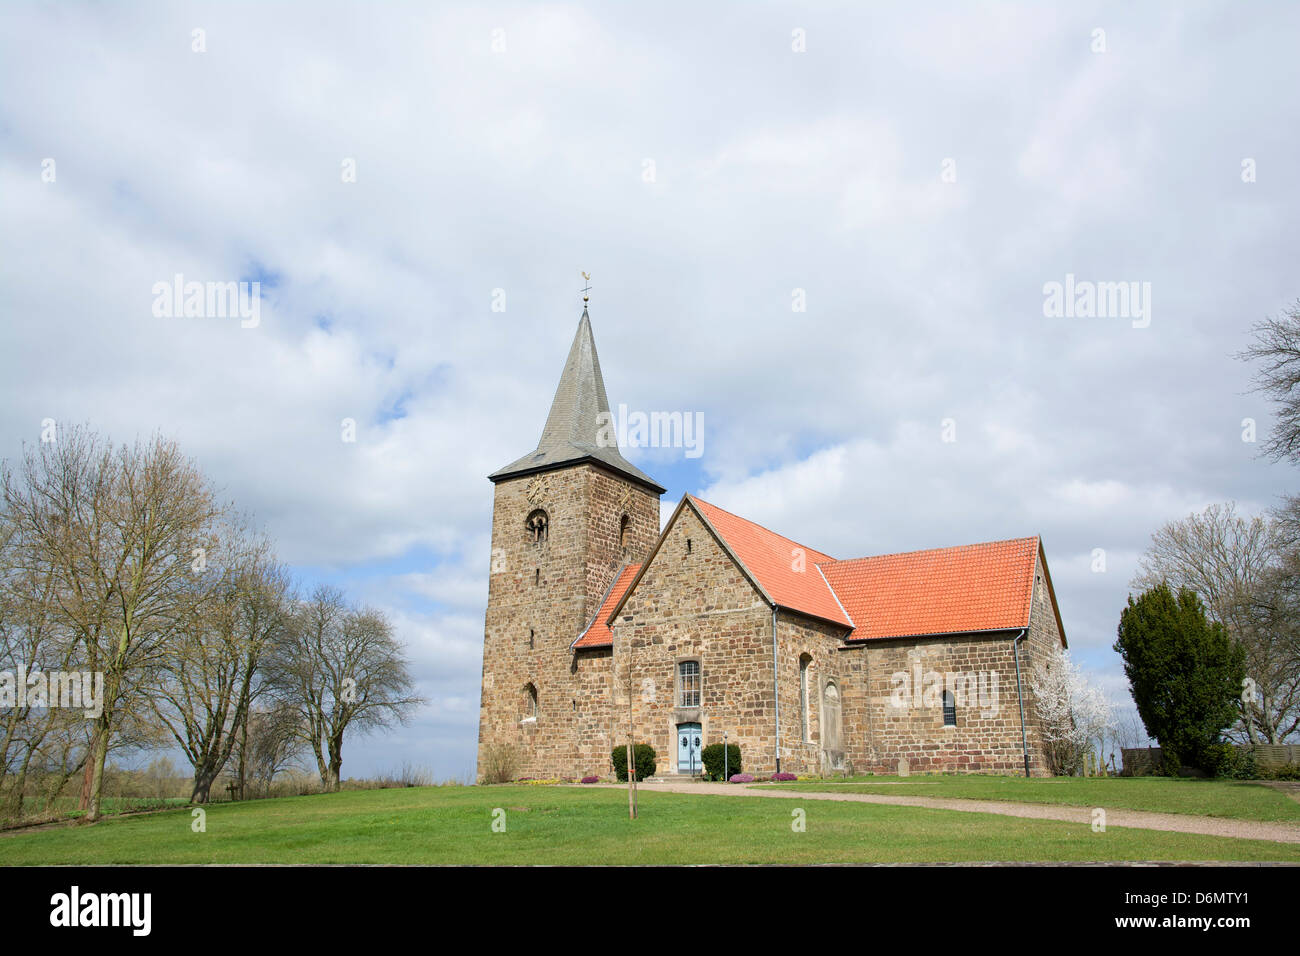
(1286, 771)
(742, 778)
(591, 779)
(500, 763)
(1225, 760)
(713, 760)
(784, 776)
(643, 754)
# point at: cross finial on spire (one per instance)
(587, 288)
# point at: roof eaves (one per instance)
(902, 637)
(639, 478)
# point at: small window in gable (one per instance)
(623, 525)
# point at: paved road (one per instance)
(1138, 819)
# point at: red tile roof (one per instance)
(785, 569)
(598, 633)
(978, 587)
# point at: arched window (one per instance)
(623, 524)
(804, 661)
(949, 709)
(537, 526)
(831, 730)
(530, 702)
(688, 683)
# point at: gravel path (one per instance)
(1138, 819)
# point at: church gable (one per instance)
(695, 565)
(782, 572)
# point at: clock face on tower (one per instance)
(539, 489)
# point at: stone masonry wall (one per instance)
(820, 641)
(903, 714)
(541, 595)
(694, 603)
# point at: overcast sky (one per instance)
(915, 178)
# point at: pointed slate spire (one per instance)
(574, 426)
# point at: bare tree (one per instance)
(1276, 350)
(341, 668)
(269, 744)
(115, 527)
(209, 675)
(30, 641)
(1237, 567)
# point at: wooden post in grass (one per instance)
(631, 779)
(631, 751)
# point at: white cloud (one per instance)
(820, 171)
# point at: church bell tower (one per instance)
(566, 518)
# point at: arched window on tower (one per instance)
(623, 525)
(537, 526)
(530, 702)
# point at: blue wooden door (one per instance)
(689, 739)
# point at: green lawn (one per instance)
(1235, 799)
(572, 825)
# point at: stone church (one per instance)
(599, 624)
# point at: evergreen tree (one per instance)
(1184, 671)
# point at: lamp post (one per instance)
(725, 764)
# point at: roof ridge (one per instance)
(764, 527)
(950, 547)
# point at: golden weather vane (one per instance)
(587, 288)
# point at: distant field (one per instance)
(572, 825)
(1234, 799)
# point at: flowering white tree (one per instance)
(1073, 711)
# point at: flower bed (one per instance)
(742, 778)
